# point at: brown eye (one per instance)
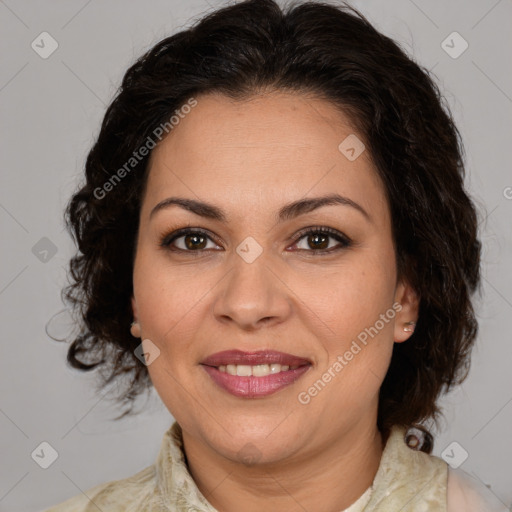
(194, 241)
(317, 240)
(187, 240)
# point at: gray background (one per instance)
(52, 109)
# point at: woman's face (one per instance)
(252, 281)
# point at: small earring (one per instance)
(409, 326)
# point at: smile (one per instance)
(271, 379)
(259, 370)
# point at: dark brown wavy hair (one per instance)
(332, 53)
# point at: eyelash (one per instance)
(167, 240)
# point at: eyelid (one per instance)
(167, 239)
(344, 241)
(334, 233)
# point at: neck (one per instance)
(331, 480)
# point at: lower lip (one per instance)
(253, 387)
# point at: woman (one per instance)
(274, 233)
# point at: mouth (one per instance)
(254, 374)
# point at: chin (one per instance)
(256, 443)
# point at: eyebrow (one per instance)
(287, 212)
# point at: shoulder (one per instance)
(467, 494)
(408, 479)
(113, 496)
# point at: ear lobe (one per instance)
(135, 327)
(135, 330)
(406, 318)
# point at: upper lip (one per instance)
(254, 358)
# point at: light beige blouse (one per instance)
(407, 480)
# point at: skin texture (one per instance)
(250, 158)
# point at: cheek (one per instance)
(351, 298)
(355, 304)
(168, 297)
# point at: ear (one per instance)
(135, 327)
(407, 316)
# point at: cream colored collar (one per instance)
(406, 480)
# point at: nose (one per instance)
(252, 295)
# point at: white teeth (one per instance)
(259, 370)
(275, 368)
(243, 370)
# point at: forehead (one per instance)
(272, 148)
